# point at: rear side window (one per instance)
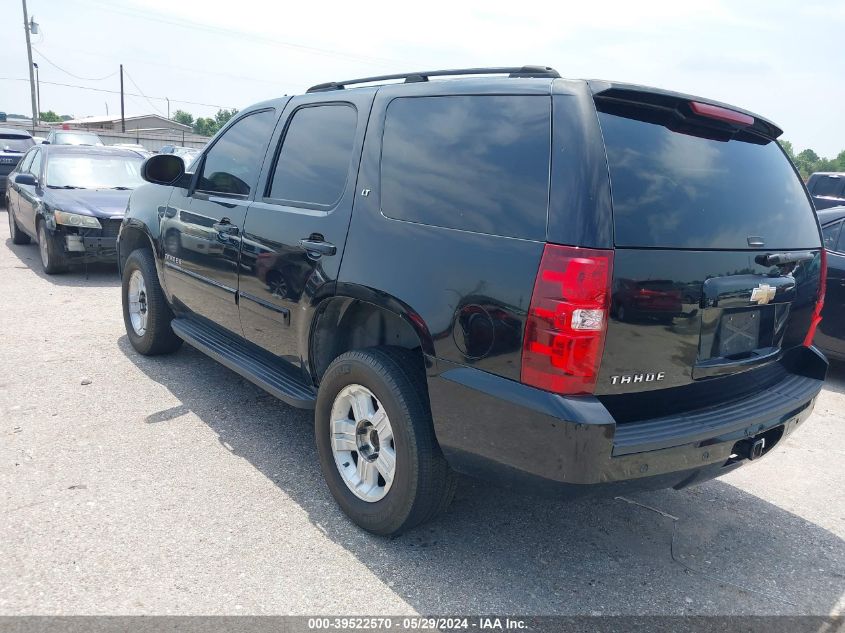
(313, 163)
(830, 234)
(676, 190)
(827, 186)
(477, 163)
(231, 165)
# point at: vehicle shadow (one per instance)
(836, 377)
(94, 274)
(499, 551)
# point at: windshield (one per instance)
(13, 143)
(77, 138)
(94, 172)
(680, 190)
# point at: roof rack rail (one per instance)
(415, 77)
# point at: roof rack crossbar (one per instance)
(413, 77)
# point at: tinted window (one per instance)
(830, 233)
(314, 160)
(15, 143)
(476, 163)
(231, 165)
(678, 190)
(827, 186)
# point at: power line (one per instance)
(117, 92)
(134, 83)
(193, 71)
(67, 72)
(380, 61)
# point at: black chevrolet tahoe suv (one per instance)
(571, 286)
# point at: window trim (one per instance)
(271, 173)
(195, 181)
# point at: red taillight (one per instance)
(817, 312)
(567, 320)
(720, 113)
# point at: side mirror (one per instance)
(163, 169)
(26, 179)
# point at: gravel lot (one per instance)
(172, 486)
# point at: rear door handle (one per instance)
(317, 248)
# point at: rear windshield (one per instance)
(77, 138)
(679, 190)
(14, 143)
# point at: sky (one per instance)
(783, 60)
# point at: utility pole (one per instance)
(122, 117)
(168, 107)
(26, 27)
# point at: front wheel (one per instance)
(376, 442)
(146, 313)
(53, 258)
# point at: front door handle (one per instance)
(317, 247)
(225, 226)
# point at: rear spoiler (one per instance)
(676, 102)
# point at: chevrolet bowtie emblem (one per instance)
(763, 293)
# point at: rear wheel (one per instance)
(146, 313)
(376, 441)
(18, 236)
(52, 256)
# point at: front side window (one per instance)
(830, 234)
(231, 165)
(35, 165)
(313, 163)
(93, 171)
(476, 163)
(26, 161)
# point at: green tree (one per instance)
(787, 147)
(50, 117)
(185, 118)
(205, 126)
(222, 117)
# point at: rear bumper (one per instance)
(503, 431)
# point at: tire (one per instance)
(150, 333)
(53, 258)
(18, 236)
(423, 484)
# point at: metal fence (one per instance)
(152, 140)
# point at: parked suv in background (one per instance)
(13, 145)
(827, 189)
(431, 266)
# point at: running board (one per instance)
(261, 368)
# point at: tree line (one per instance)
(206, 126)
(808, 162)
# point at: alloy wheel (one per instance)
(362, 443)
